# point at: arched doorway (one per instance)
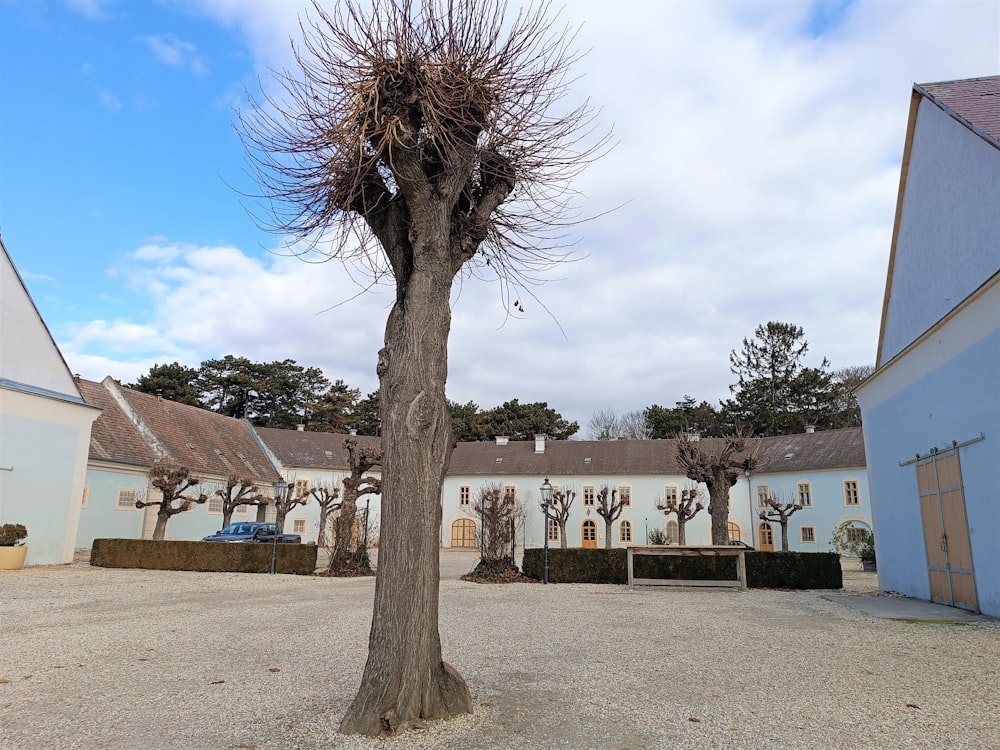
(463, 533)
(765, 536)
(589, 534)
(733, 529)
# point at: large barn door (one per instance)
(946, 531)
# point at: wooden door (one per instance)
(765, 537)
(589, 534)
(463, 533)
(946, 531)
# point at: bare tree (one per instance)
(603, 425)
(428, 136)
(239, 491)
(718, 463)
(499, 514)
(609, 507)
(173, 482)
(559, 511)
(776, 510)
(283, 504)
(685, 507)
(327, 498)
(350, 553)
(632, 425)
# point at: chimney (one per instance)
(502, 439)
(810, 429)
(539, 443)
(300, 427)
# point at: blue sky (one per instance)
(757, 169)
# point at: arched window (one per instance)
(589, 534)
(463, 533)
(625, 531)
(673, 535)
(734, 531)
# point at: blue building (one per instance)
(931, 410)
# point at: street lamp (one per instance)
(280, 487)
(546, 492)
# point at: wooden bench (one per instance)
(711, 550)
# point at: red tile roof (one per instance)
(318, 450)
(202, 440)
(975, 100)
(831, 449)
(113, 437)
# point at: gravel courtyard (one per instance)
(97, 658)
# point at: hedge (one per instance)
(220, 557)
(793, 570)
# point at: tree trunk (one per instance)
(321, 535)
(343, 541)
(562, 536)
(405, 680)
(227, 518)
(681, 533)
(160, 530)
(607, 535)
(784, 534)
(718, 508)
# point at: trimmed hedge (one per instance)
(216, 557)
(793, 570)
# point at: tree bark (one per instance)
(405, 680)
(718, 509)
(160, 530)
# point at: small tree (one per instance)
(238, 491)
(684, 507)
(559, 510)
(854, 541)
(775, 510)
(609, 507)
(283, 504)
(499, 514)
(173, 482)
(717, 463)
(328, 500)
(350, 555)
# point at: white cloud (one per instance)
(758, 165)
(177, 53)
(90, 8)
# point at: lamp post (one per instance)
(546, 491)
(280, 487)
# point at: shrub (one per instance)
(854, 541)
(12, 534)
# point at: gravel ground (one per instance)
(96, 658)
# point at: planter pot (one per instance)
(868, 566)
(12, 558)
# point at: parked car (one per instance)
(252, 531)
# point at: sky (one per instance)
(754, 178)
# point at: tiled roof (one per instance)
(202, 440)
(113, 437)
(975, 100)
(816, 451)
(829, 449)
(319, 450)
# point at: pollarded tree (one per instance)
(328, 500)
(685, 507)
(173, 482)
(559, 511)
(426, 139)
(348, 556)
(609, 507)
(776, 510)
(239, 491)
(718, 463)
(284, 503)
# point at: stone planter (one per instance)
(12, 558)
(868, 566)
